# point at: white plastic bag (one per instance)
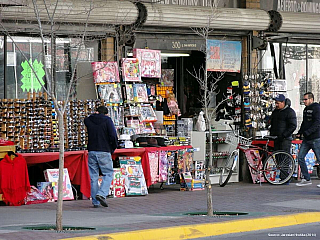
(201, 123)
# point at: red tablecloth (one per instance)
(143, 153)
(75, 161)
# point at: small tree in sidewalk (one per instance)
(208, 82)
(49, 27)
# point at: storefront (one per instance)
(167, 33)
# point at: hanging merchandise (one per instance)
(131, 70)
(110, 92)
(163, 166)
(150, 62)
(129, 93)
(140, 92)
(167, 77)
(173, 105)
(258, 99)
(172, 170)
(154, 166)
(105, 72)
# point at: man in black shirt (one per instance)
(102, 141)
(310, 131)
(283, 123)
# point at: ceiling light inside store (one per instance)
(175, 54)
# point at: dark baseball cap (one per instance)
(102, 110)
(280, 98)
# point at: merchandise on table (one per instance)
(117, 187)
(52, 175)
(135, 183)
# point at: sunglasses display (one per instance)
(32, 124)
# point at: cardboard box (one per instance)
(52, 175)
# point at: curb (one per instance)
(210, 229)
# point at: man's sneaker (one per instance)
(318, 186)
(303, 183)
(102, 200)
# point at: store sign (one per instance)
(310, 6)
(203, 3)
(171, 44)
(29, 80)
(223, 56)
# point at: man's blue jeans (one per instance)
(306, 145)
(103, 161)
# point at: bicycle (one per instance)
(277, 168)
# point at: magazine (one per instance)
(105, 72)
(131, 69)
(111, 93)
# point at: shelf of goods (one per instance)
(221, 150)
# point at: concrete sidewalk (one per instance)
(165, 213)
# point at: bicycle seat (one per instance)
(270, 137)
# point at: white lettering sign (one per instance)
(204, 3)
(295, 6)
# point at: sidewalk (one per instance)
(164, 211)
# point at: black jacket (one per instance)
(102, 135)
(283, 123)
(310, 127)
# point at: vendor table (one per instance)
(77, 162)
(143, 153)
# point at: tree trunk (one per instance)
(61, 166)
(209, 161)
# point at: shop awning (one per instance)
(300, 22)
(215, 18)
(69, 14)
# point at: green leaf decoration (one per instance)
(29, 80)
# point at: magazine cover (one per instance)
(140, 92)
(167, 77)
(105, 72)
(150, 62)
(129, 93)
(117, 188)
(46, 189)
(131, 70)
(135, 183)
(154, 166)
(111, 93)
(52, 175)
(163, 166)
(147, 114)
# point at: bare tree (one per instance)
(208, 82)
(48, 15)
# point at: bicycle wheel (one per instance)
(278, 168)
(228, 168)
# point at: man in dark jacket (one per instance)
(310, 131)
(102, 141)
(283, 123)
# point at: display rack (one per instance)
(221, 150)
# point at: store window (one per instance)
(21, 79)
(313, 84)
(295, 71)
